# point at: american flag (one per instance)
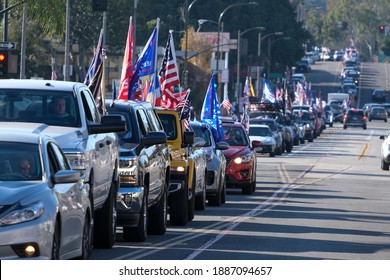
(184, 108)
(169, 75)
(226, 103)
(53, 74)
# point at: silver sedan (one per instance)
(45, 211)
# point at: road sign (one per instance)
(7, 45)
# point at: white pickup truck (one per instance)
(86, 137)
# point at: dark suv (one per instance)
(355, 117)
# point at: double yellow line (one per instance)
(364, 151)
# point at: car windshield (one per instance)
(169, 124)
(235, 136)
(19, 162)
(259, 131)
(203, 133)
(49, 107)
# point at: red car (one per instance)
(240, 158)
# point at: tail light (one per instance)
(364, 118)
(345, 117)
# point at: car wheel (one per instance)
(178, 206)
(191, 202)
(272, 154)
(364, 127)
(140, 232)
(87, 238)
(200, 200)
(55, 249)
(223, 192)
(105, 222)
(385, 120)
(384, 165)
(302, 141)
(158, 216)
(217, 199)
(345, 127)
(247, 188)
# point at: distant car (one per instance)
(378, 113)
(355, 117)
(367, 108)
(379, 95)
(277, 133)
(45, 212)
(302, 117)
(387, 108)
(385, 151)
(216, 164)
(302, 66)
(263, 134)
(241, 159)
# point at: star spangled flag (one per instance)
(96, 60)
(94, 78)
(247, 89)
(146, 63)
(184, 107)
(226, 103)
(211, 113)
(169, 75)
(127, 64)
(53, 74)
(268, 95)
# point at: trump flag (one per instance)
(211, 113)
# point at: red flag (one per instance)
(53, 74)
(127, 65)
(169, 75)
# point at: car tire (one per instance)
(105, 223)
(158, 216)
(86, 243)
(191, 202)
(56, 246)
(364, 127)
(217, 199)
(247, 188)
(302, 141)
(200, 200)
(178, 206)
(272, 154)
(223, 192)
(345, 127)
(384, 165)
(140, 232)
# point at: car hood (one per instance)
(235, 151)
(65, 136)
(12, 192)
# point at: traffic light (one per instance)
(382, 28)
(99, 5)
(3, 64)
(216, 82)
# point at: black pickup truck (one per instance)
(144, 171)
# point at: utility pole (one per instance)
(67, 47)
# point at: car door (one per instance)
(70, 202)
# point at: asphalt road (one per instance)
(325, 200)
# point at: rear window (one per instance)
(355, 113)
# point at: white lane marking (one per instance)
(258, 210)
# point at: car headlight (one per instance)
(128, 170)
(77, 161)
(23, 214)
(307, 125)
(243, 159)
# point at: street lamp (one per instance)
(260, 28)
(269, 51)
(202, 21)
(186, 18)
(219, 26)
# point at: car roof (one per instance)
(40, 84)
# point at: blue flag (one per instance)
(211, 113)
(146, 63)
(268, 95)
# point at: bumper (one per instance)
(238, 175)
(128, 205)
(38, 232)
